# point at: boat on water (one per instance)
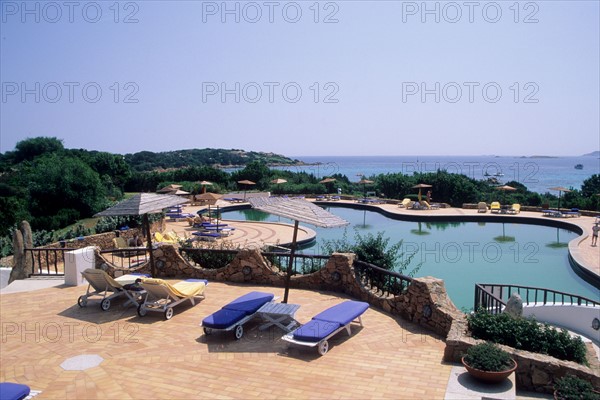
(579, 166)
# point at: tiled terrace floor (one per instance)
(152, 358)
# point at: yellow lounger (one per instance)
(515, 209)
(161, 296)
(495, 207)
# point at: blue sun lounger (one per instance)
(326, 324)
(16, 391)
(235, 314)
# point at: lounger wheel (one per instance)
(169, 313)
(239, 332)
(207, 331)
(141, 310)
(105, 304)
(323, 347)
(82, 301)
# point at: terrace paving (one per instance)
(152, 358)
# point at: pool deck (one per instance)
(152, 358)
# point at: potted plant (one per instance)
(571, 387)
(488, 363)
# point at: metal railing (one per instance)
(126, 258)
(493, 297)
(382, 280)
(302, 263)
(208, 258)
(47, 261)
(214, 259)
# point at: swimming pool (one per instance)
(463, 253)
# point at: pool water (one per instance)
(462, 253)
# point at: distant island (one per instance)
(218, 158)
(592, 154)
(539, 157)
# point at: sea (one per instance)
(538, 174)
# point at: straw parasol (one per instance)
(365, 182)
(209, 197)
(326, 182)
(278, 181)
(560, 189)
(421, 186)
(506, 188)
(298, 210)
(169, 189)
(204, 184)
(246, 182)
(144, 204)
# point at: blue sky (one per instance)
(304, 77)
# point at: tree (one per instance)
(256, 171)
(28, 149)
(61, 190)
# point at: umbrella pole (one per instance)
(288, 276)
(146, 223)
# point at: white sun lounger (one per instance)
(105, 287)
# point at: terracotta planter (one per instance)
(489, 376)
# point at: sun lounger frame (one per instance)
(237, 326)
(103, 289)
(162, 300)
(323, 344)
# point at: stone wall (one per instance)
(425, 303)
(535, 372)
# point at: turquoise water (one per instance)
(463, 253)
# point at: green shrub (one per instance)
(488, 357)
(209, 258)
(527, 334)
(374, 249)
(573, 388)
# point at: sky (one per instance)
(298, 78)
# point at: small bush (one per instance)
(527, 334)
(571, 387)
(488, 357)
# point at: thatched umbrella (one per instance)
(209, 197)
(246, 182)
(169, 188)
(326, 182)
(204, 184)
(560, 189)
(421, 186)
(505, 188)
(144, 204)
(298, 210)
(365, 182)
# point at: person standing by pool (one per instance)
(595, 230)
(428, 196)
